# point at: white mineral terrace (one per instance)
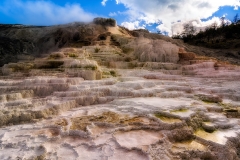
(138, 115)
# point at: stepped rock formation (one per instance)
(99, 91)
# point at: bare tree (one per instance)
(214, 25)
(236, 19)
(223, 23)
(159, 32)
(189, 30)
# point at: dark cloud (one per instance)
(173, 7)
(204, 5)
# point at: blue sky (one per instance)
(164, 15)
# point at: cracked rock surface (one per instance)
(165, 117)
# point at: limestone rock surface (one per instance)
(110, 93)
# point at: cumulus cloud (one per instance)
(177, 27)
(132, 25)
(172, 11)
(104, 2)
(44, 12)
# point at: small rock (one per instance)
(209, 98)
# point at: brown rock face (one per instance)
(184, 55)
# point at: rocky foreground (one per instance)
(120, 94)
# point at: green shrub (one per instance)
(127, 50)
(128, 59)
(91, 67)
(113, 73)
(55, 64)
(21, 67)
(56, 56)
(132, 65)
(50, 65)
(73, 55)
(96, 50)
(105, 21)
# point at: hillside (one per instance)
(99, 91)
(224, 37)
(19, 42)
(220, 42)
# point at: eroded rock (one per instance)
(70, 104)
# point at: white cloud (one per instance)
(168, 11)
(177, 27)
(104, 2)
(45, 12)
(164, 28)
(113, 14)
(132, 25)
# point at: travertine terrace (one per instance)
(120, 96)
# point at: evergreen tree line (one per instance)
(226, 35)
